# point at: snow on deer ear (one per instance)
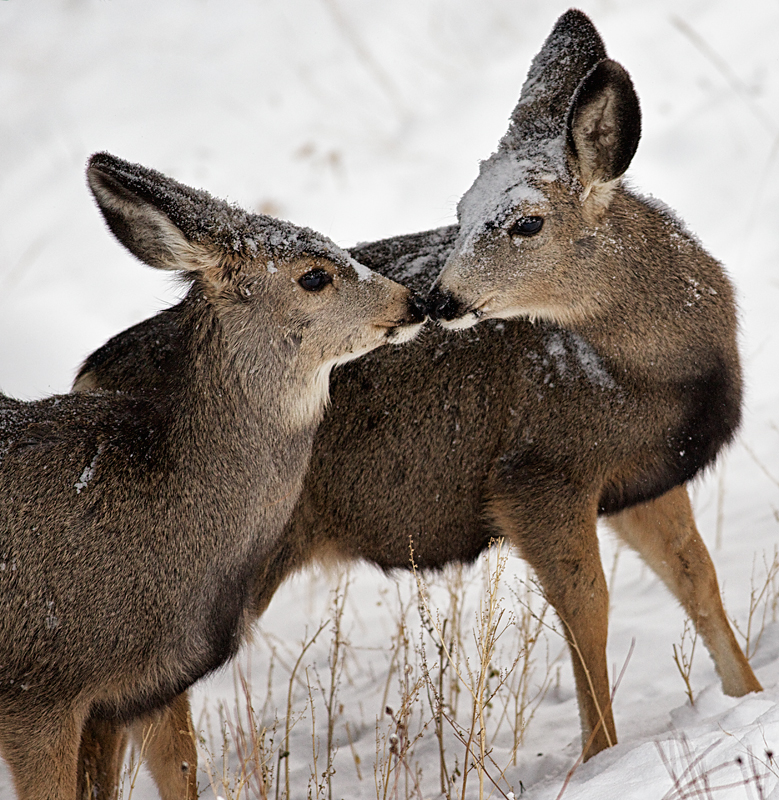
(166, 224)
(125, 194)
(602, 131)
(572, 48)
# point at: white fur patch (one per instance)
(404, 333)
(314, 401)
(596, 198)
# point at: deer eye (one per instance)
(527, 226)
(316, 280)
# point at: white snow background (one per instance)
(368, 119)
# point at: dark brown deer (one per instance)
(517, 429)
(134, 525)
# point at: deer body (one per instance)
(419, 442)
(440, 440)
(83, 558)
(133, 525)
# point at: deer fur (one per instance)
(515, 428)
(133, 525)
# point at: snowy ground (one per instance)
(363, 120)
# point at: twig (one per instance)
(284, 752)
(759, 463)
(683, 664)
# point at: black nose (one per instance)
(442, 305)
(417, 308)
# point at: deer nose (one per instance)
(442, 305)
(417, 308)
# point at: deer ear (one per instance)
(136, 207)
(604, 124)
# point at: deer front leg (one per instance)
(563, 551)
(41, 750)
(664, 533)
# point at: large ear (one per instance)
(572, 48)
(144, 210)
(604, 125)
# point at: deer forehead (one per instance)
(293, 267)
(258, 261)
(509, 185)
(314, 252)
(274, 245)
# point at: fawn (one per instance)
(134, 525)
(636, 328)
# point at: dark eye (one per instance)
(527, 226)
(316, 280)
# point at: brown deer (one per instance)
(527, 430)
(134, 525)
(637, 327)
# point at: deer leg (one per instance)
(565, 556)
(103, 744)
(42, 753)
(663, 532)
(167, 741)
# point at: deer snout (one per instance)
(443, 305)
(418, 310)
(410, 323)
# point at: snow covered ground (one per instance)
(364, 120)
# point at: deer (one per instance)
(555, 411)
(133, 525)
(641, 331)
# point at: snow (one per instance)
(88, 473)
(562, 346)
(363, 273)
(505, 184)
(368, 120)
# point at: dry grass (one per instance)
(468, 658)
(684, 654)
(465, 665)
(763, 603)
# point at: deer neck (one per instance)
(237, 428)
(664, 307)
